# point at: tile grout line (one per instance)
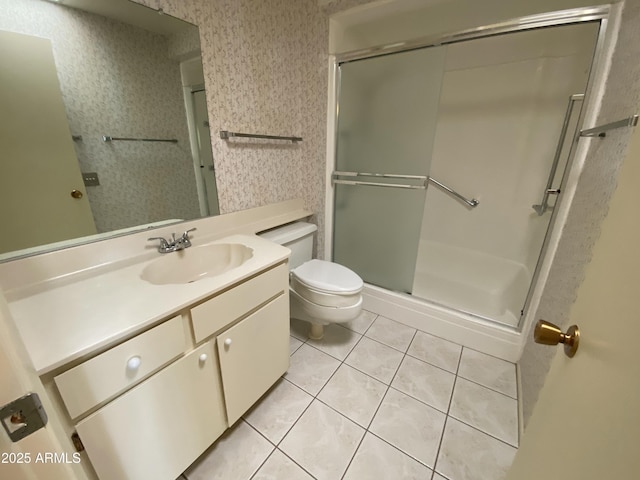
(366, 429)
(468, 424)
(277, 445)
(483, 432)
(389, 386)
(446, 419)
(268, 456)
(285, 454)
(488, 388)
(304, 469)
(488, 355)
(405, 353)
(315, 397)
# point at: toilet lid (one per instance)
(328, 276)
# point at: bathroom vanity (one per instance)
(146, 367)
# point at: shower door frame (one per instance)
(601, 14)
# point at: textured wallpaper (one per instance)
(265, 67)
(590, 206)
(118, 80)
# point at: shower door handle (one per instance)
(424, 180)
(544, 204)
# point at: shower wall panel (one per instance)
(501, 110)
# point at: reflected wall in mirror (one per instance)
(100, 68)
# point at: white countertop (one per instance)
(75, 319)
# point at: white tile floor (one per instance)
(375, 400)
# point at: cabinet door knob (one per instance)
(134, 363)
(203, 357)
(227, 342)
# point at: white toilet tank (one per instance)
(298, 237)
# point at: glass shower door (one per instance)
(507, 117)
(388, 108)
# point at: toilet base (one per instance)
(316, 332)
(319, 316)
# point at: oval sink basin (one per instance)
(195, 263)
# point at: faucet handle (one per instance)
(163, 241)
(185, 240)
(164, 246)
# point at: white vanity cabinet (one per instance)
(254, 351)
(157, 429)
(148, 407)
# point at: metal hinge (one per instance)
(77, 443)
(23, 416)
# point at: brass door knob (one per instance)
(76, 193)
(547, 333)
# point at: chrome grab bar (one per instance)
(425, 180)
(472, 203)
(548, 190)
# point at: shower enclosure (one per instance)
(450, 156)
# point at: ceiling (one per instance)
(129, 12)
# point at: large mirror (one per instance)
(103, 126)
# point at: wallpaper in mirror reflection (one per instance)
(130, 81)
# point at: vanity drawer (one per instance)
(96, 380)
(213, 315)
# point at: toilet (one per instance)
(320, 292)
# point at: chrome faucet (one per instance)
(174, 244)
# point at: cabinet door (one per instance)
(253, 355)
(157, 429)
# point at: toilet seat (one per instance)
(328, 277)
(326, 283)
